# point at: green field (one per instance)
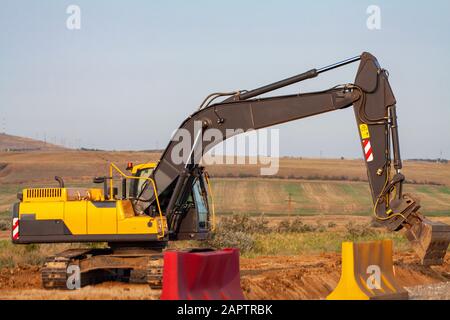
(273, 197)
(303, 197)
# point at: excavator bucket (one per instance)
(211, 275)
(429, 240)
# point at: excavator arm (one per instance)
(375, 109)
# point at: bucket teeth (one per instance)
(429, 240)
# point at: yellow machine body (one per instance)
(84, 215)
(87, 216)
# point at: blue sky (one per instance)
(136, 69)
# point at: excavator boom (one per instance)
(375, 110)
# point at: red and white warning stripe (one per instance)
(15, 229)
(368, 150)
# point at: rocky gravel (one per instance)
(435, 291)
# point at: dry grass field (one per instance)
(306, 197)
(14, 143)
(41, 166)
(302, 186)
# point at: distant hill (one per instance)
(14, 143)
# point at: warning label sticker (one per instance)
(364, 129)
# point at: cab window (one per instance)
(200, 203)
(136, 184)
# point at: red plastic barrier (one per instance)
(212, 275)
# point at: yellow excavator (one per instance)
(170, 200)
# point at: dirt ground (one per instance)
(307, 276)
(315, 276)
(274, 277)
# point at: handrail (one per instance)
(113, 166)
(213, 228)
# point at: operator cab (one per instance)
(139, 171)
(191, 217)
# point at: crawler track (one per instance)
(99, 265)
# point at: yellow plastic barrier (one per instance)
(367, 273)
